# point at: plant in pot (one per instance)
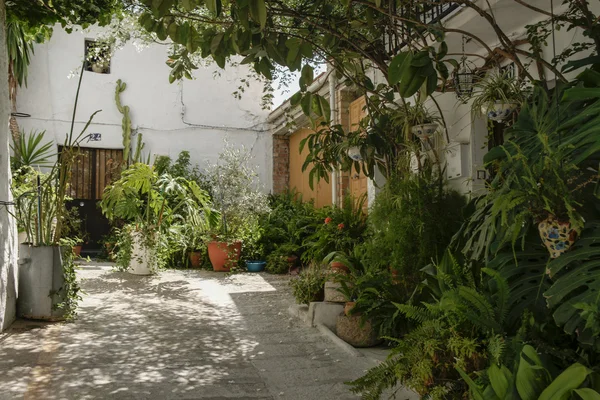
(48, 288)
(341, 230)
(421, 122)
(240, 202)
(148, 203)
(539, 179)
(308, 285)
(283, 259)
(497, 96)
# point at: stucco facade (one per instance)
(194, 115)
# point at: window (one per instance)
(97, 56)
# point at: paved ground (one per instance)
(179, 335)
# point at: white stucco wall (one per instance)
(192, 115)
(8, 227)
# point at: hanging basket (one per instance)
(499, 111)
(557, 236)
(424, 131)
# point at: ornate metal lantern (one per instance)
(464, 77)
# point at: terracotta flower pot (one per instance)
(557, 236)
(77, 250)
(224, 255)
(195, 258)
(339, 268)
(348, 307)
(395, 276)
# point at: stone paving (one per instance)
(179, 335)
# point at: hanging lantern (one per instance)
(464, 77)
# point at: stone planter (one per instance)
(499, 111)
(557, 236)
(355, 332)
(332, 294)
(40, 282)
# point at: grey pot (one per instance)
(40, 282)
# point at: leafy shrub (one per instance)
(341, 229)
(410, 224)
(309, 285)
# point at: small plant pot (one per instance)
(395, 276)
(348, 308)
(499, 111)
(292, 262)
(354, 153)
(339, 268)
(195, 258)
(557, 236)
(223, 256)
(77, 250)
(424, 131)
(255, 266)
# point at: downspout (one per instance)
(332, 104)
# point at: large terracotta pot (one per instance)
(339, 267)
(558, 236)
(195, 258)
(224, 255)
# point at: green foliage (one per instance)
(575, 286)
(341, 230)
(409, 225)
(70, 292)
(309, 284)
(497, 87)
(236, 194)
(547, 167)
(30, 151)
(277, 261)
(531, 378)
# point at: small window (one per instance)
(97, 56)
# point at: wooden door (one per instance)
(93, 170)
(299, 180)
(358, 180)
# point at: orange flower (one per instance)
(327, 220)
(340, 226)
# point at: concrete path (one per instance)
(179, 335)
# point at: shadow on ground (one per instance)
(182, 334)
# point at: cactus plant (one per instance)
(126, 121)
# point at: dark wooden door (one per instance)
(93, 170)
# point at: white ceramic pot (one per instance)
(142, 258)
(424, 131)
(354, 153)
(499, 111)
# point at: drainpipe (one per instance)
(332, 104)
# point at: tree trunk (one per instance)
(8, 229)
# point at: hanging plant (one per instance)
(498, 96)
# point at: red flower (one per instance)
(327, 220)
(340, 226)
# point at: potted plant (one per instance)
(341, 230)
(497, 96)
(538, 179)
(240, 203)
(48, 287)
(309, 284)
(283, 259)
(423, 124)
(148, 202)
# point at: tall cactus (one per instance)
(126, 122)
(138, 149)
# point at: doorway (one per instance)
(93, 171)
